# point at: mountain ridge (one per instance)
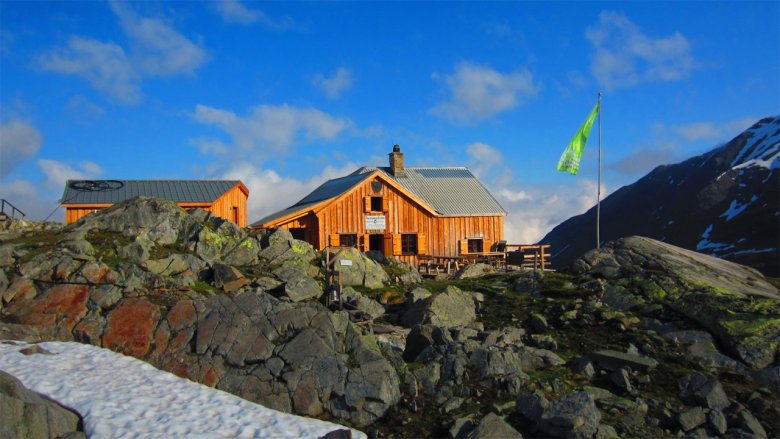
(723, 203)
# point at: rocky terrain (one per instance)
(724, 203)
(640, 339)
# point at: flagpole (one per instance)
(598, 189)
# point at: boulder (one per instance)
(26, 414)
(242, 254)
(357, 269)
(451, 308)
(472, 271)
(493, 427)
(130, 327)
(301, 287)
(228, 278)
(769, 377)
(170, 266)
(573, 416)
(699, 389)
(614, 360)
(279, 245)
(419, 338)
(734, 303)
(691, 418)
(531, 406)
(148, 218)
(363, 303)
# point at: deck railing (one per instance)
(4, 202)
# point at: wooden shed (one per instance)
(224, 198)
(401, 212)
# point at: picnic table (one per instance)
(450, 263)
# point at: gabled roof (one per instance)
(116, 191)
(445, 191)
(452, 191)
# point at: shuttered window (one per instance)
(409, 244)
(422, 244)
(348, 240)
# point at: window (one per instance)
(348, 240)
(409, 244)
(475, 246)
(376, 204)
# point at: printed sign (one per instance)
(375, 222)
(345, 262)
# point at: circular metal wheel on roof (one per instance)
(96, 185)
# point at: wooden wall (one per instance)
(402, 215)
(223, 207)
(72, 214)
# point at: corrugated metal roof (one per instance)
(332, 188)
(116, 191)
(327, 190)
(281, 213)
(449, 190)
(452, 191)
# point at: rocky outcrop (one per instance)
(195, 295)
(733, 302)
(357, 269)
(453, 307)
(26, 414)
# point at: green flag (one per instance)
(570, 160)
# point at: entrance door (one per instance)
(375, 242)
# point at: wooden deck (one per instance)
(532, 256)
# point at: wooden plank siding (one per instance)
(403, 215)
(230, 206)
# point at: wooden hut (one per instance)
(224, 198)
(401, 212)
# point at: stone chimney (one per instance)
(397, 161)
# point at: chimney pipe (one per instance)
(397, 161)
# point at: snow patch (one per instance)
(714, 247)
(120, 396)
(736, 208)
(762, 148)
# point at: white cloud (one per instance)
(713, 131)
(477, 92)
(83, 109)
(24, 195)
(624, 56)
(234, 11)
(161, 50)
(19, 140)
(271, 129)
(157, 50)
(270, 192)
(514, 196)
(537, 210)
(333, 87)
(483, 158)
(58, 172)
(104, 65)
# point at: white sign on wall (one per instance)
(375, 222)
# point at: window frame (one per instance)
(409, 245)
(376, 203)
(475, 245)
(348, 237)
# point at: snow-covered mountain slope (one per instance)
(724, 203)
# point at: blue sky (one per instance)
(284, 95)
